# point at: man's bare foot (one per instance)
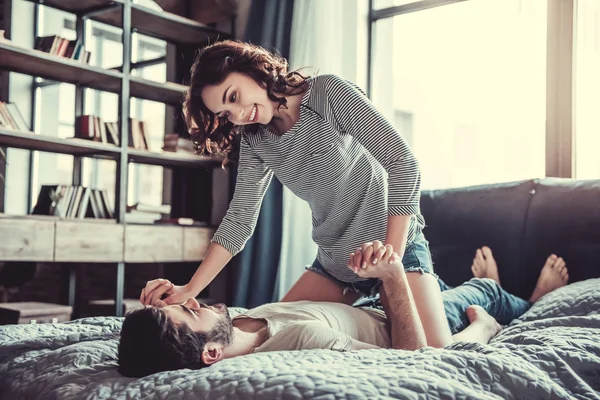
(553, 276)
(478, 316)
(484, 265)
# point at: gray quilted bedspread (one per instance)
(552, 352)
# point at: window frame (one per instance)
(560, 123)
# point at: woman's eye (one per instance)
(233, 97)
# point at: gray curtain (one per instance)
(254, 270)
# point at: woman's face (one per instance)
(239, 99)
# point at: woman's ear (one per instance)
(212, 353)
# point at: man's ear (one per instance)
(212, 353)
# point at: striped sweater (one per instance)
(342, 157)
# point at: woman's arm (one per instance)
(252, 181)
(355, 115)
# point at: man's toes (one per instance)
(557, 262)
(551, 260)
(479, 256)
(487, 252)
(564, 272)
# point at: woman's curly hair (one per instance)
(217, 135)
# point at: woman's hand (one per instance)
(387, 265)
(369, 254)
(154, 291)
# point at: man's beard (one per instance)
(223, 329)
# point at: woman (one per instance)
(330, 146)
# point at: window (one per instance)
(146, 181)
(587, 89)
(466, 84)
(55, 108)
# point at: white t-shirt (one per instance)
(319, 325)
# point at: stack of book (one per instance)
(62, 47)
(11, 118)
(73, 202)
(173, 142)
(142, 213)
(91, 127)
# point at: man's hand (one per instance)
(384, 265)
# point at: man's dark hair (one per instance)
(151, 342)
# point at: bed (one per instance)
(552, 352)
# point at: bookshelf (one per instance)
(53, 239)
(166, 26)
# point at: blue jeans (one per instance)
(484, 292)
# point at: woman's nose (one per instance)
(241, 115)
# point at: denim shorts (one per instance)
(417, 258)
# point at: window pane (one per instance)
(56, 110)
(466, 84)
(105, 45)
(66, 99)
(145, 184)
(587, 90)
(100, 174)
(378, 4)
(53, 23)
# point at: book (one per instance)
(141, 217)
(144, 207)
(62, 47)
(180, 221)
(17, 117)
(73, 201)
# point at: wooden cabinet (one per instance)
(153, 243)
(49, 239)
(196, 242)
(26, 239)
(93, 241)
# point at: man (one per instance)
(191, 335)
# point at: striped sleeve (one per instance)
(253, 179)
(357, 116)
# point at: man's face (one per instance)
(211, 320)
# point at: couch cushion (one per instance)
(564, 218)
(458, 221)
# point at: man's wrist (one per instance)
(394, 275)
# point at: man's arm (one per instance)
(406, 328)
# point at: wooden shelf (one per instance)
(163, 25)
(78, 6)
(52, 239)
(80, 147)
(159, 24)
(170, 159)
(37, 63)
(168, 92)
